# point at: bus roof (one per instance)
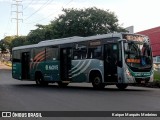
(68, 40)
(24, 47)
(73, 39)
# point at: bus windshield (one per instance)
(137, 54)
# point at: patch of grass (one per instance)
(8, 63)
(156, 75)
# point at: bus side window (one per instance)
(80, 51)
(51, 53)
(16, 56)
(95, 52)
(39, 54)
(76, 55)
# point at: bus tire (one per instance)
(40, 81)
(97, 81)
(122, 86)
(61, 84)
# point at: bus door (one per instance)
(65, 64)
(110, 62)
(25, 65)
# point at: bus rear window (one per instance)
(16, 56)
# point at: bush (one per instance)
(156, 75)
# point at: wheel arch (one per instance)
(38, 72)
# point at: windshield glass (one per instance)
(137, 54)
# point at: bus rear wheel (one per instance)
(97, 81)
(40, 81)
(122, 86)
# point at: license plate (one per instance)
(143, 81)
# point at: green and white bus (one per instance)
(110, 59)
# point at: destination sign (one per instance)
(135, 37)
(133, 60)
(95, 43)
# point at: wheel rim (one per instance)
(97, 81)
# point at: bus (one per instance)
(117, 59)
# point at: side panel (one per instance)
(50, 70)
(16, 71)
(76, 72)
(81, 69)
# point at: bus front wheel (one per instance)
(97, 81)
(122, 86)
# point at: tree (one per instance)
(74, 22)
(2, 47)
(85, 22)
(19, 41)
(6, 43)
(41, 33)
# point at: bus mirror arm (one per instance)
(122, 40)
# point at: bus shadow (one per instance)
(79, 88)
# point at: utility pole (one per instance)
(18, 11)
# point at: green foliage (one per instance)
(74, 22)
(41, 33)
(12, 41)
(85, 22)
(156, 75)
(2, 46)
(6, 43)
(19, 41)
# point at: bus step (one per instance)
(65, 81)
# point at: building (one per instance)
(130, 29)
(154, 35)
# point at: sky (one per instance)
(142, 14)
